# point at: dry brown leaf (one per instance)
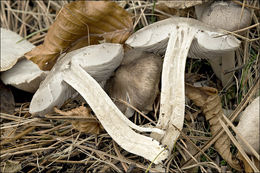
(208, 100)
(81, 125)
(247, 167)
(78, 22)
(6, 99)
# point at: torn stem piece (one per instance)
(173, 94)
(114, 121)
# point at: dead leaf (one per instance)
(82, 22)
(82, 126)
(7, 99)
(208, 100)
(247, 167)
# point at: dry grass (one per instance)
(44, 144)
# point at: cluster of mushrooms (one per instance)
(131, 76)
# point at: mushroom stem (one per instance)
(173, 94)
(222, 63)
(114, 121)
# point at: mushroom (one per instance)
(24, 74)
(229, 16)
(75, 69)
(181, 36)
(11, 50)
(54, 92)
(136, 81)
(248, 127)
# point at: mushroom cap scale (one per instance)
(53, 91)
(11, 51)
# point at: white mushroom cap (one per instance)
(229, 16)
(98, 60)
(11, 51)
(248, 127)
(207, 40)
(25, 75)
(223, 14)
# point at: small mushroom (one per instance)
(248, 127)
(24, 74)
(229, 16)
(11, 50)
(181, 36)
(75, 70)
(136, 81)
(54, 92)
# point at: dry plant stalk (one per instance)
(82, 126)
(82, 23)
(208, 100)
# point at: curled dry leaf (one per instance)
(80, 21)
(81, 125)
(208, 100)
(247, 167)
(6, 99)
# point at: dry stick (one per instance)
(100, 160)
(233, 116)
(129, 105)
(200, 150)
(71, 118)
(115, 157)
(192, 156)
(237, 145)
(70, 161)
(28, 130)
(22, 147)
(26, 151)
(120, 156)
(248, 6)
(52, 129)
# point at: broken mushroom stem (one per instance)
(118, 127)
(173, 96)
